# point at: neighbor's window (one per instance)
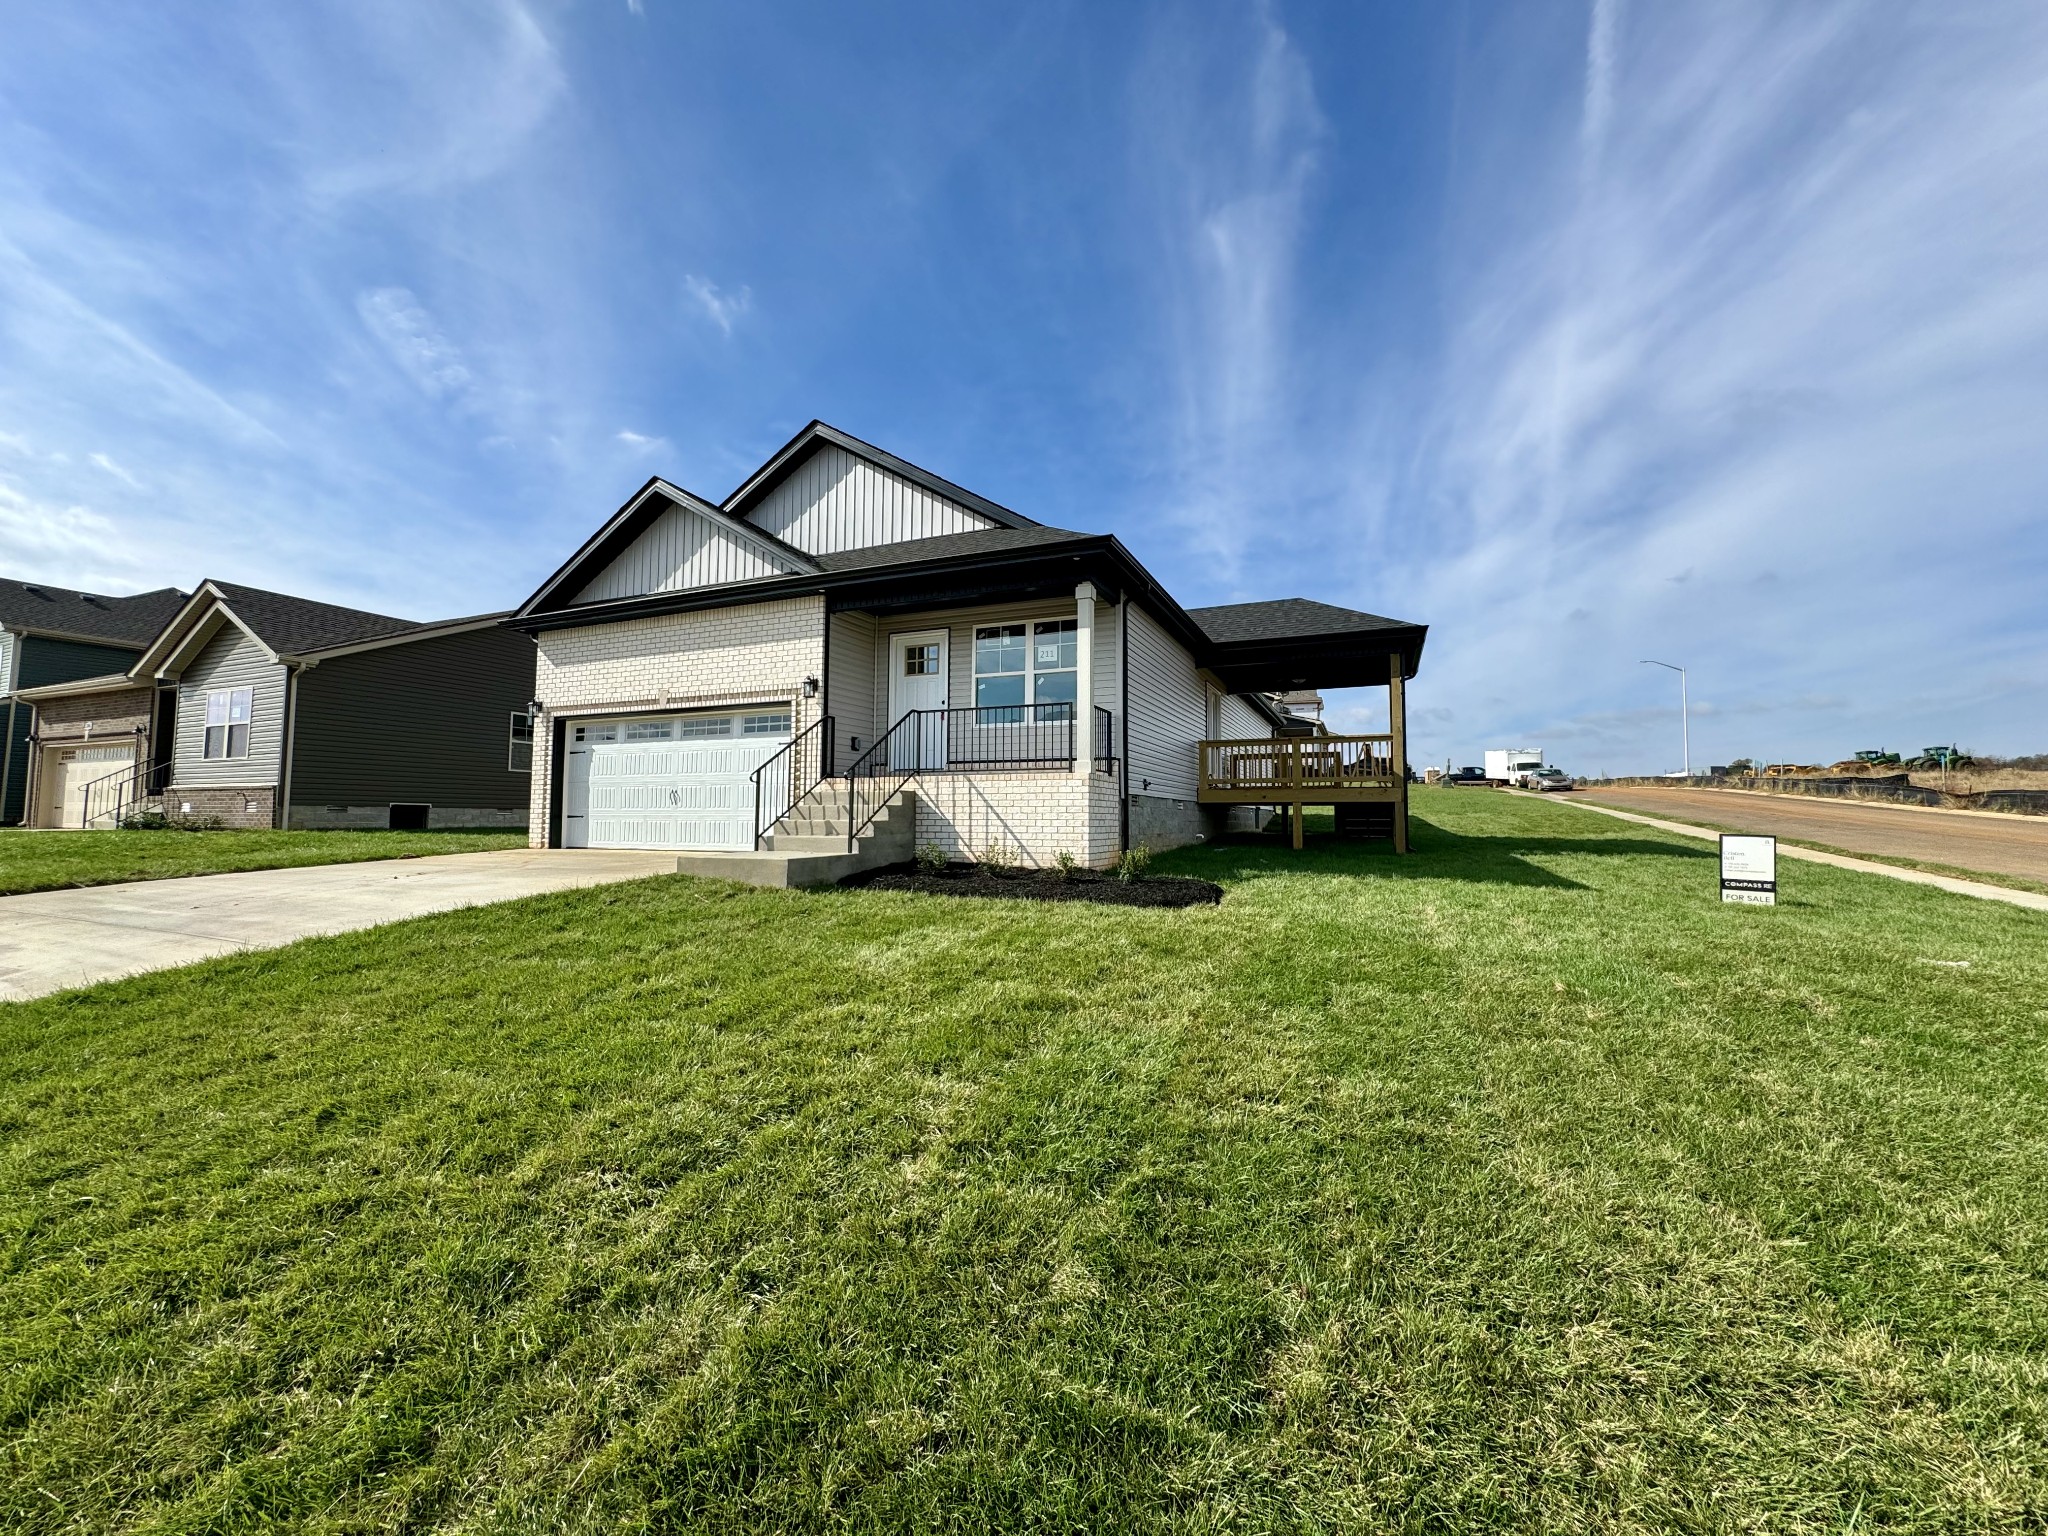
(764, 725)
(519, 750)
(921, 660)
(227, 722)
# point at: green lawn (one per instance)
(42, 861)
(1515, 1185)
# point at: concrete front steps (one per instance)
(808, 846)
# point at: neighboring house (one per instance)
(847, 630)
(54, 635)
(276, 711)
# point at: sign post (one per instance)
(1749, 869)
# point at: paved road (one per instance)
(50, 940)
(1994, 845)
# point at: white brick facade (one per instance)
(762, 652)
(748, 654)
(1034, 815)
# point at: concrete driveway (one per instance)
(50, 940)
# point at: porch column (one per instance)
(1397, 716)
(1084, 679)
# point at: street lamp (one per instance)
(1684, 714)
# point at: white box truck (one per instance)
(1508, 765)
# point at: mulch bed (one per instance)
(1041, 885)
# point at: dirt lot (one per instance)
(2015, 846)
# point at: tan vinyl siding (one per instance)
(682, 549)
(851, 665)
(231, 659)
(1169, 710)
(959, 624)
(836, 501)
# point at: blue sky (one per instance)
(1716, 333)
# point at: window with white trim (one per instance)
(1026, 664)
(650, 730)
(519, 745)
(765, 725)
(597, 733)
(704, 730)
(227, 722)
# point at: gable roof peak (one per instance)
(817, 434)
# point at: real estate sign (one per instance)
(1749, 869)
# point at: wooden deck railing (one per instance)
(1297, 767)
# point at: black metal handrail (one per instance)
(782, 781)
(876, 777)
(112, 796)
(995, 736)
(1105, 740)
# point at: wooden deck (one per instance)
(1291, 772)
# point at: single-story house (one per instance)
(847, 632)
(259, 709)
(51, 635)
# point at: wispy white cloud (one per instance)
(1229, 145)
(723, 309)
(1755, 384)
(408, 334)
(415, 99)
(120, 474)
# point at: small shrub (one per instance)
(1064, 864)
(931, 858)
(157, 821)
(997, 859)
(1132, 863)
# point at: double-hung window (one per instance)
(1019, 664)
(519, 748)
(227, 722)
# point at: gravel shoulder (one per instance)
(2012, 847)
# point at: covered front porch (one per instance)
(1291, 644)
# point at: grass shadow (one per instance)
(1437, 854)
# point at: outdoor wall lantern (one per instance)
(810, 687)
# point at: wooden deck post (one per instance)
(1397, 716)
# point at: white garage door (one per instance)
(667, 781)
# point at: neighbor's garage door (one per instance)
(667, 781)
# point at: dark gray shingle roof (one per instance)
(947, 546)
(132, 621)
(292, 626)
(1286, 618)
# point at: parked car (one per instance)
(1466, 776)
(1542, 780)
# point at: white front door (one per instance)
(71, 769)
(917, 680)
(668, 781)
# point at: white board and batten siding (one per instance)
(834, 501)
(6, 661)
(231, 659)
(679, 551)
